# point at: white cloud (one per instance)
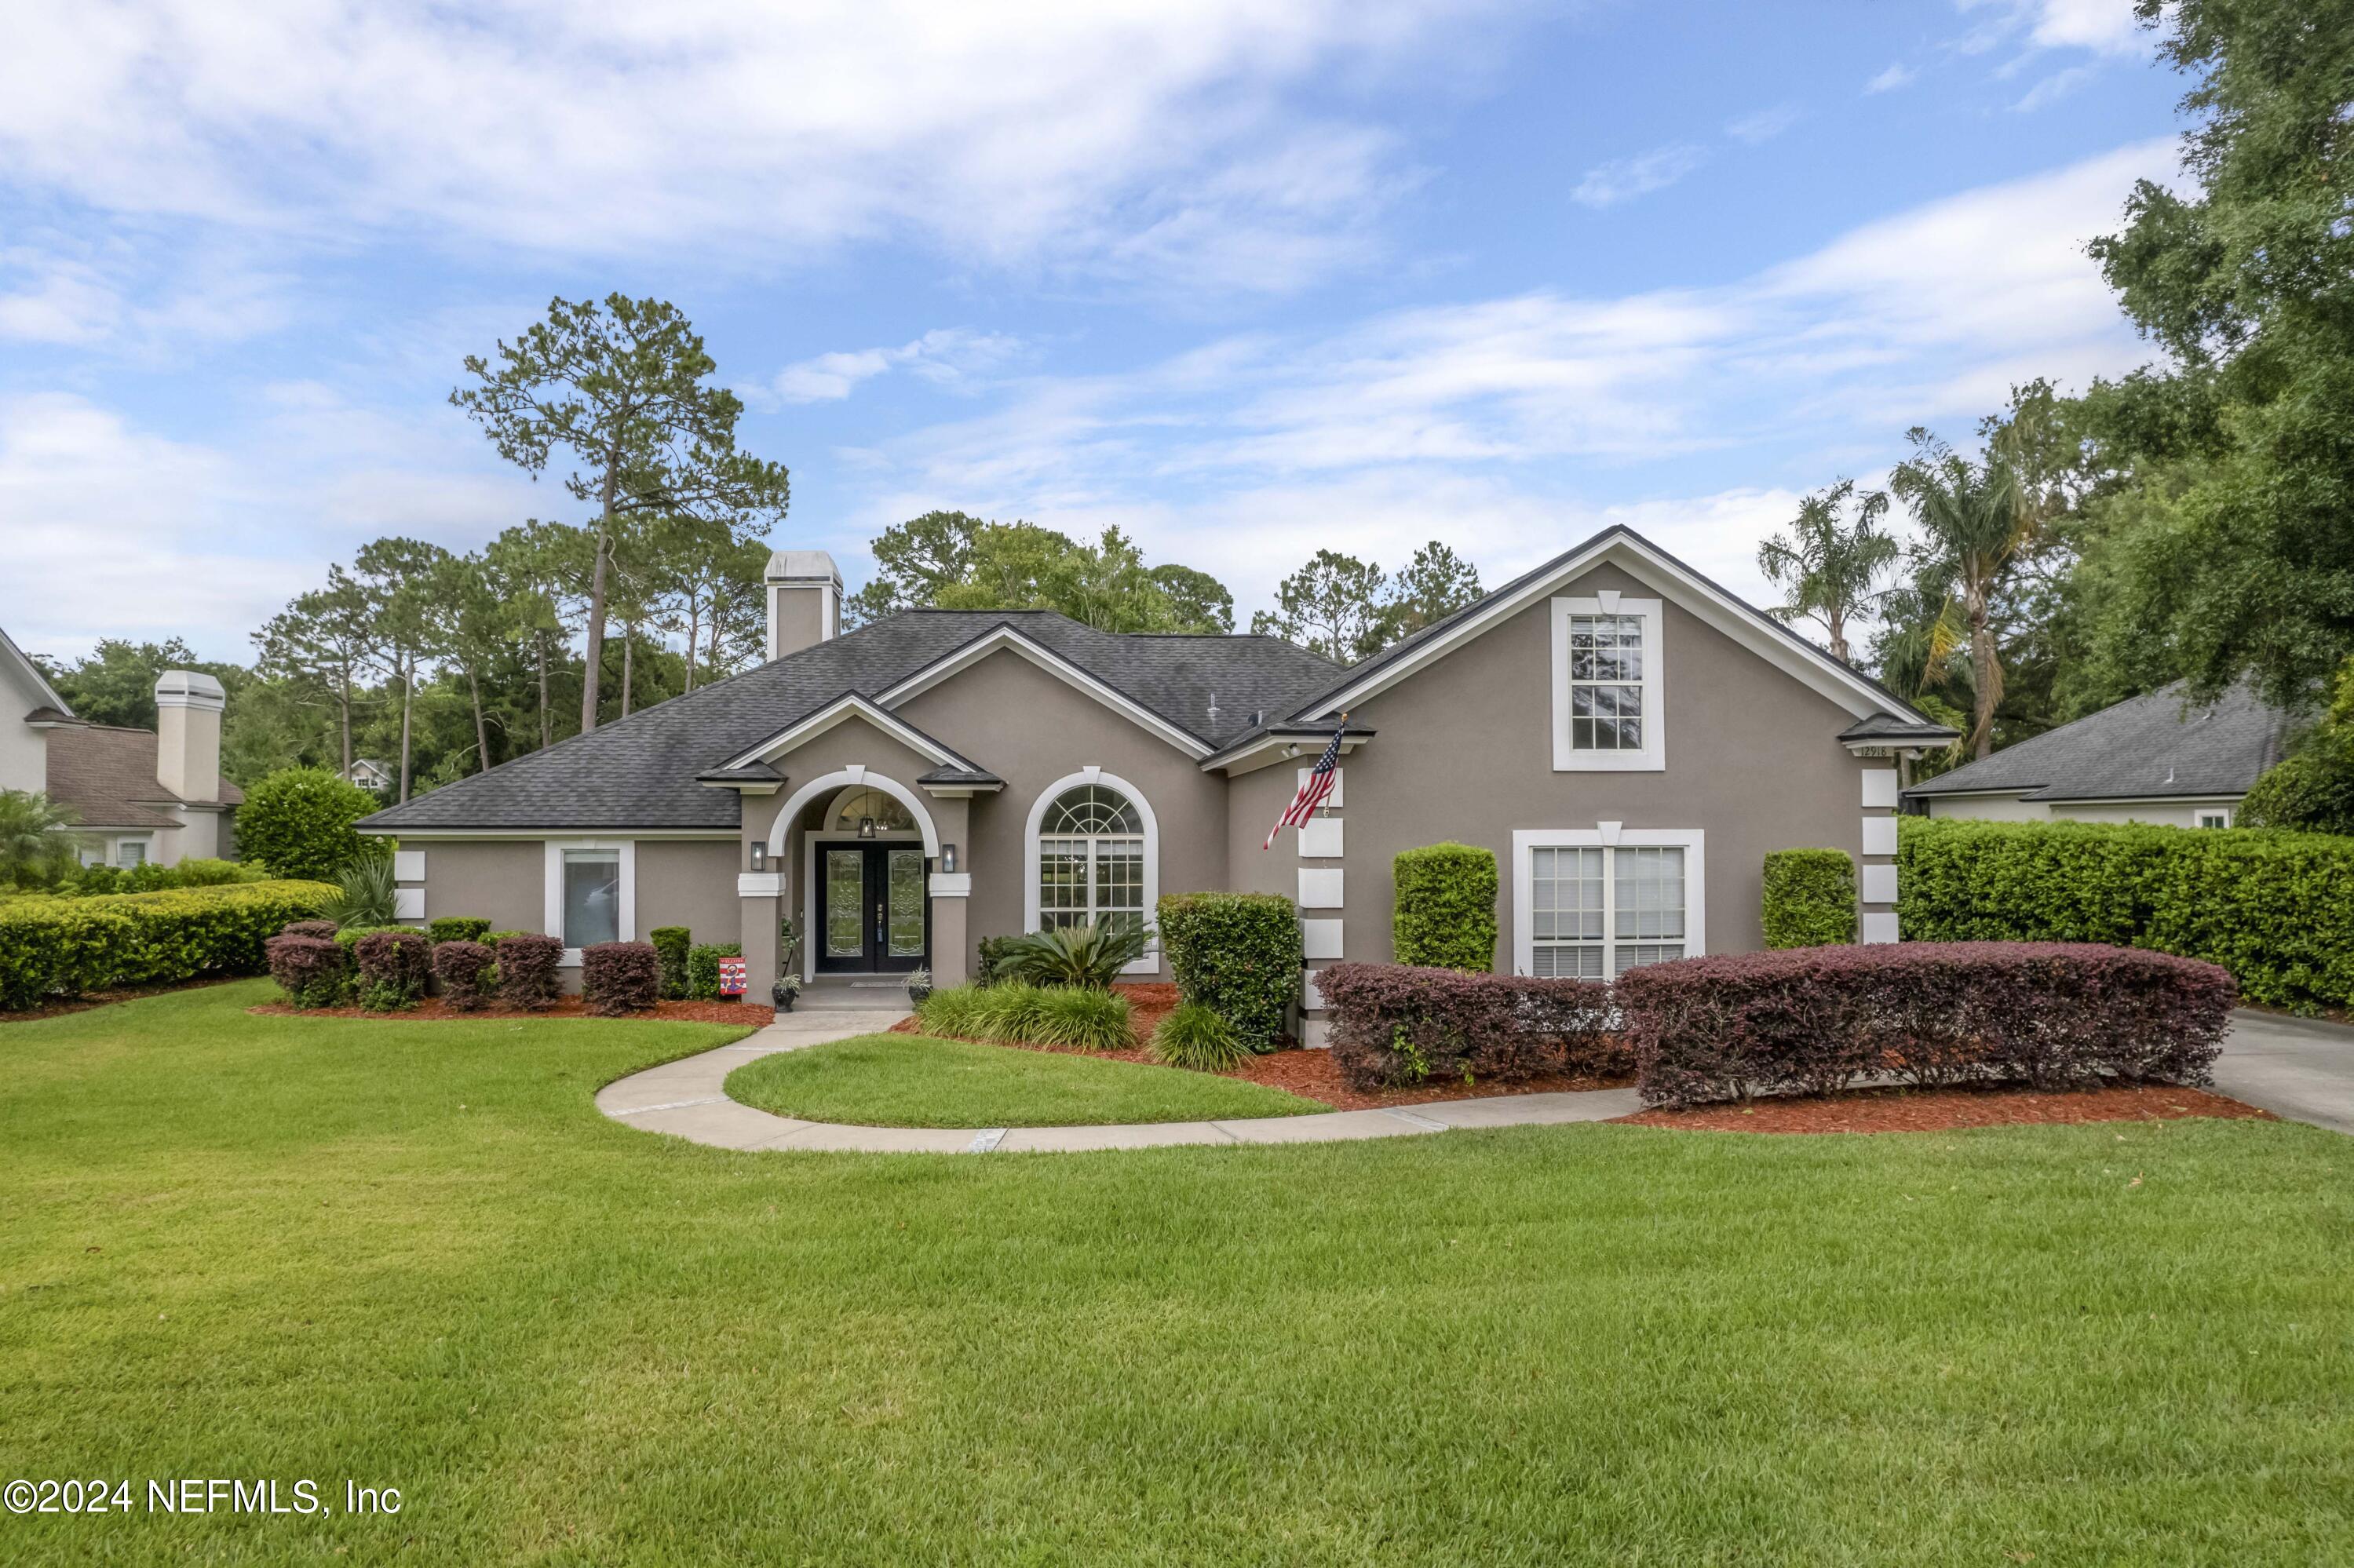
(949, 357)
(1899, 75)
(1607, 185)
(1054, 133)
(1766, 124)
(2104, 27)
(2054, 87)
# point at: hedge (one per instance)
(1817, 1019)
(313, 970)
(456, 928)
(1445, 912)
(527, 964)
(671, 945)
(1397, 1024)
(2275, 907)
(703, 968)
(63, 947)
(1809, 898)
(393, 967)
(621, 977)
(1237, 954)
(464, 970)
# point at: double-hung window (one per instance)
(1586, 910)
(1606, 685)
(592, 896)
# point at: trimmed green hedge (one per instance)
(1809, 898)
(63, 947)
(672, 944)
(703, 968)
(2276, 908)
(1237, 954)
(1445, 913)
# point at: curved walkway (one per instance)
(687, 1099)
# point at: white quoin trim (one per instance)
(1030, 857)
(856, 774)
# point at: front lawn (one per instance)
(916, 1080)
(413, 1254)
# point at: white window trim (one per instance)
(1031, 856)
(1653, 756)
(2197, 812)
(551, 909)
(1694, 842)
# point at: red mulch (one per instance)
(1941, 1111)
(59, 1006)
(433, 1008)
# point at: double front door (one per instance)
(873, 916)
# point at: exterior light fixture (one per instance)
(948, 857)
(759, 856)
(865, 827)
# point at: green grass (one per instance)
(413, 1254)
(915, 1080)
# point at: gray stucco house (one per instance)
(2155, 759)
(1627, 736)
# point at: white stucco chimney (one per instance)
(188, 705)
(804, 601)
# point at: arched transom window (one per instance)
(855, 807)
(1091, 859)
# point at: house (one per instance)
(139, 794)
(371, 774)
(1627, 736)
(2153, 758)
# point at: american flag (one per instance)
(1312, 789)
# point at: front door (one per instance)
(872, 911)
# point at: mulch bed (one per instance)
(60, 1006)
(1941, 1110)
(434, 1009)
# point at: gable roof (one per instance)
(108, 775)
(26, 668)
(639, 771)
(2142, 749)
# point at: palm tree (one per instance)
(1826, 566)
(37, 843)
(1977, 520)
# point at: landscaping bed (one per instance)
(433, 1008)
(1943, 1110)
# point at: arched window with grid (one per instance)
(1091, 859)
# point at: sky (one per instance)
(1244, 277)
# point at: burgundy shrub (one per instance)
(1817, 1019)
(1395, 1025)
(619, 977)
(393, 967)
(464, 970)
(528, 963)
(312, 971)
(323, 930)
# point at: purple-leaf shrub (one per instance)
(323, 930)
(464, 969)
(619, 977)
(312, 971)
(1817, 1019)
(528, 977)
(1397, 1024)
(393, 967)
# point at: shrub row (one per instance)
(619, 977)
(1397, 1024)
(1078, 1016)
(2275, 907)
(1237, 954)
(1816, 1019)
(1445, 912)
(393, 965)
(1809, 898)
(92, 881)
(63, 947)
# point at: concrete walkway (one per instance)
(2300, 1068)
(685, 1099)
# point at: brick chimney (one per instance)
(187, 734)
(804, 601)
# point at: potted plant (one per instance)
(920, 986)
(784, 991)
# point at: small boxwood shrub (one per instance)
(670, 946)
(621, 977)
(1809, 898)
(456, 928)
(1192, 1036)
(64, 946)
(492, 938)
(1816, 1019)
(1237, 954)
(1394, 1025)
(463, 971)
(703, 968)
(393, 967)
(527, 965)
(313, 972)
(1445, 913)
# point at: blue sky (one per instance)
(1245, 278)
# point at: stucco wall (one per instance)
(1465, 752)
(503, 881)
(690, 882)
(1989, 808)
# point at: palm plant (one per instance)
(38, 844)
(1826, 565)
(1090, 955)
(365, 894)
(1977, 522)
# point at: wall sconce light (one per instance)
(865, 827)
(759, 856)
(948, 857)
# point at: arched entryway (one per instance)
(866, 853)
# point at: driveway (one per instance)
(2301, 1068)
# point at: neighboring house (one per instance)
(2148, 759)
(371, 774)
(140, 794)
(1628, 738)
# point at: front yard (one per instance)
(415, 1255)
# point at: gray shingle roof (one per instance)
(2144, 746)
(640, 772)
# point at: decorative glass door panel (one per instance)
(876, 908)
(845, 904)
(903, 932)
